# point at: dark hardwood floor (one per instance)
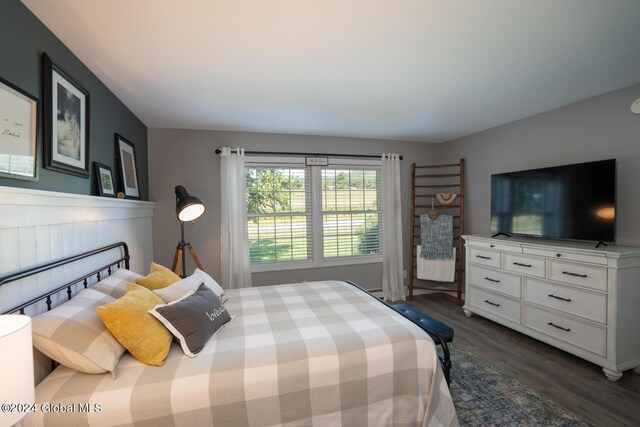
(574, 383)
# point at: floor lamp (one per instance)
(188, 209)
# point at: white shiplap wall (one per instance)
(39, 226)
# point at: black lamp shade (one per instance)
(188, 208)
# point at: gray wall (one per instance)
(187, 157)
(598, 128)
(23, 40)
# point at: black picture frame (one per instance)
(66, 138)
(104, 180)
(11, 127)
(127, 167)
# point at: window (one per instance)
(278, 214)
(301, 217)
(350, 212)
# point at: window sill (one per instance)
(305, 265)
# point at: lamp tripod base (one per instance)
(178, 265)
(179, 258)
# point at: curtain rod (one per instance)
(291, 153)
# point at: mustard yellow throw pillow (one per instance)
(159, 277)
(129, 321)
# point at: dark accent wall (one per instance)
(23, 39)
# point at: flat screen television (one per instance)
(576, 202)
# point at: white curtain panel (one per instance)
(236, 267)
(392, 278)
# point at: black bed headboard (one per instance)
(124, 258)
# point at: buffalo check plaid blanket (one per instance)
(306, 354)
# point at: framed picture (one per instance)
(126, 157)
(18, 133)
(66, 122)
(104, 177)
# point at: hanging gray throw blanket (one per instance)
(436, 237)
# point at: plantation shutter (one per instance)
(279, 212)
(302, 216)
(351, 211)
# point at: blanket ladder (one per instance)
(426, 182)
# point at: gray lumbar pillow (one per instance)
(193, 319)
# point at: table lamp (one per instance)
(16, 366)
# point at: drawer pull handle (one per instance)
(492, 303)
(483, 257)
(560, 298)
(522, 265)
(492, 280)
(493, 246)
(558, 255)
(568, 273)
(559, 327)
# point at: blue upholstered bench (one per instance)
(440, 333)
(430, 324)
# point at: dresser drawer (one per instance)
(593, 258)
(485, 257)
(524, 265)
(495, 246)
(578, 274)
(495, 280)
(580, 334)
(582, 303)
(497, 304)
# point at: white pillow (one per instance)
(211, 283)
(190, 284)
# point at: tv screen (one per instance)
(565, 202)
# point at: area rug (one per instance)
(485, 397)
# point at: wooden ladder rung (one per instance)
(437, 186)
(450, 165)
(437, 175)
(459, 196)
(435, 289)
(439, 207)
(454, 216)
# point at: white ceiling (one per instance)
(426, 70)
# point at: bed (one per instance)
(317, 353)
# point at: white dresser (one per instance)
(583, 300)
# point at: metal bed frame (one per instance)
(64, 261)
(124, 258)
